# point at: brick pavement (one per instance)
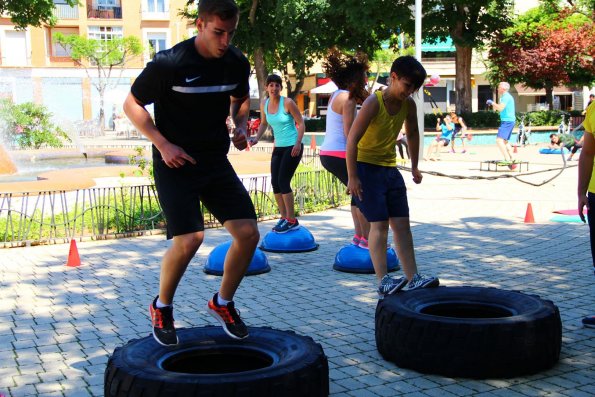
(58, 325)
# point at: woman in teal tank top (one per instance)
(284, 117)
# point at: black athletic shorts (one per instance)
(212, 182)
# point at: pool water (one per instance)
(28, 171)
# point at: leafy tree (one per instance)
(545, 49)
(31, 12)
(282, 34)
(469, 24)
(103, 56)
(29, 125)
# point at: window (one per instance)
(157, 42)
(156, 6)
(105, 33)
(56, 50)
(106, 3)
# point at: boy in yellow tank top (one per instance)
(374, 179)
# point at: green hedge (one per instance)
(481, 119)
(491, 119)
(316, 125)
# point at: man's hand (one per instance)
(489, 102)
(174, 156)
(239, 138)
(417, 176)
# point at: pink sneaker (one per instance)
(355, 240)
(363, 243)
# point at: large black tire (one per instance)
(469, 332)
(208, 363)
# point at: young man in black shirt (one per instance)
(194, 86)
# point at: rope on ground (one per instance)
(491, 178)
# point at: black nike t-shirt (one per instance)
(191, 96)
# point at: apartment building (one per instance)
(34, 68)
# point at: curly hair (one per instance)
(348, 72)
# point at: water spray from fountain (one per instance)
(7, 166)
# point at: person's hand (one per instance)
(239, 139)
(296, 149)
(437, 120)
(174, 156)
(253, 140)
(489, 102)
(582, 203)
(354, 187)
(417, 176)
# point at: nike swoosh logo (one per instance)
(190, 80)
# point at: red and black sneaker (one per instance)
(163, 324)
(229, 318)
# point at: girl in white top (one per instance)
(349, 74)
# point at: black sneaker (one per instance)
(229, 319)
(279, 223)
(163, 324)
(288, 226)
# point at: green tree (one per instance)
(29, 125)
(469, 24)
(544, 49)
(25, 13)
(102, 56)
(31, 12)
(283, 34)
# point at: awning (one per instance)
(444, 46)
(524, 91)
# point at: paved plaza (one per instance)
(58, 325)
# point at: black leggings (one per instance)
(283, 166)
(338, 167)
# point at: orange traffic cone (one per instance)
(529, 218)
(74, 260)
(313, 143)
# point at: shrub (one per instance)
(316, 125)
(29, 125)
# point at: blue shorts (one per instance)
(384, 193)
(505, 130)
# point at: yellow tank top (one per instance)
(589, 125)
(377, 146)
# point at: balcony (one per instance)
(104, 11)
(64, 11)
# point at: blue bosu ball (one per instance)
(214, 263)
(298, 240)
(353, 259)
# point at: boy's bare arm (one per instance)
(412, 131)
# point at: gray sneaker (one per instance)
(421, 281)
(389, 285)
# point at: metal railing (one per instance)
(104, 11)
(122, 211)
(64, 11)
